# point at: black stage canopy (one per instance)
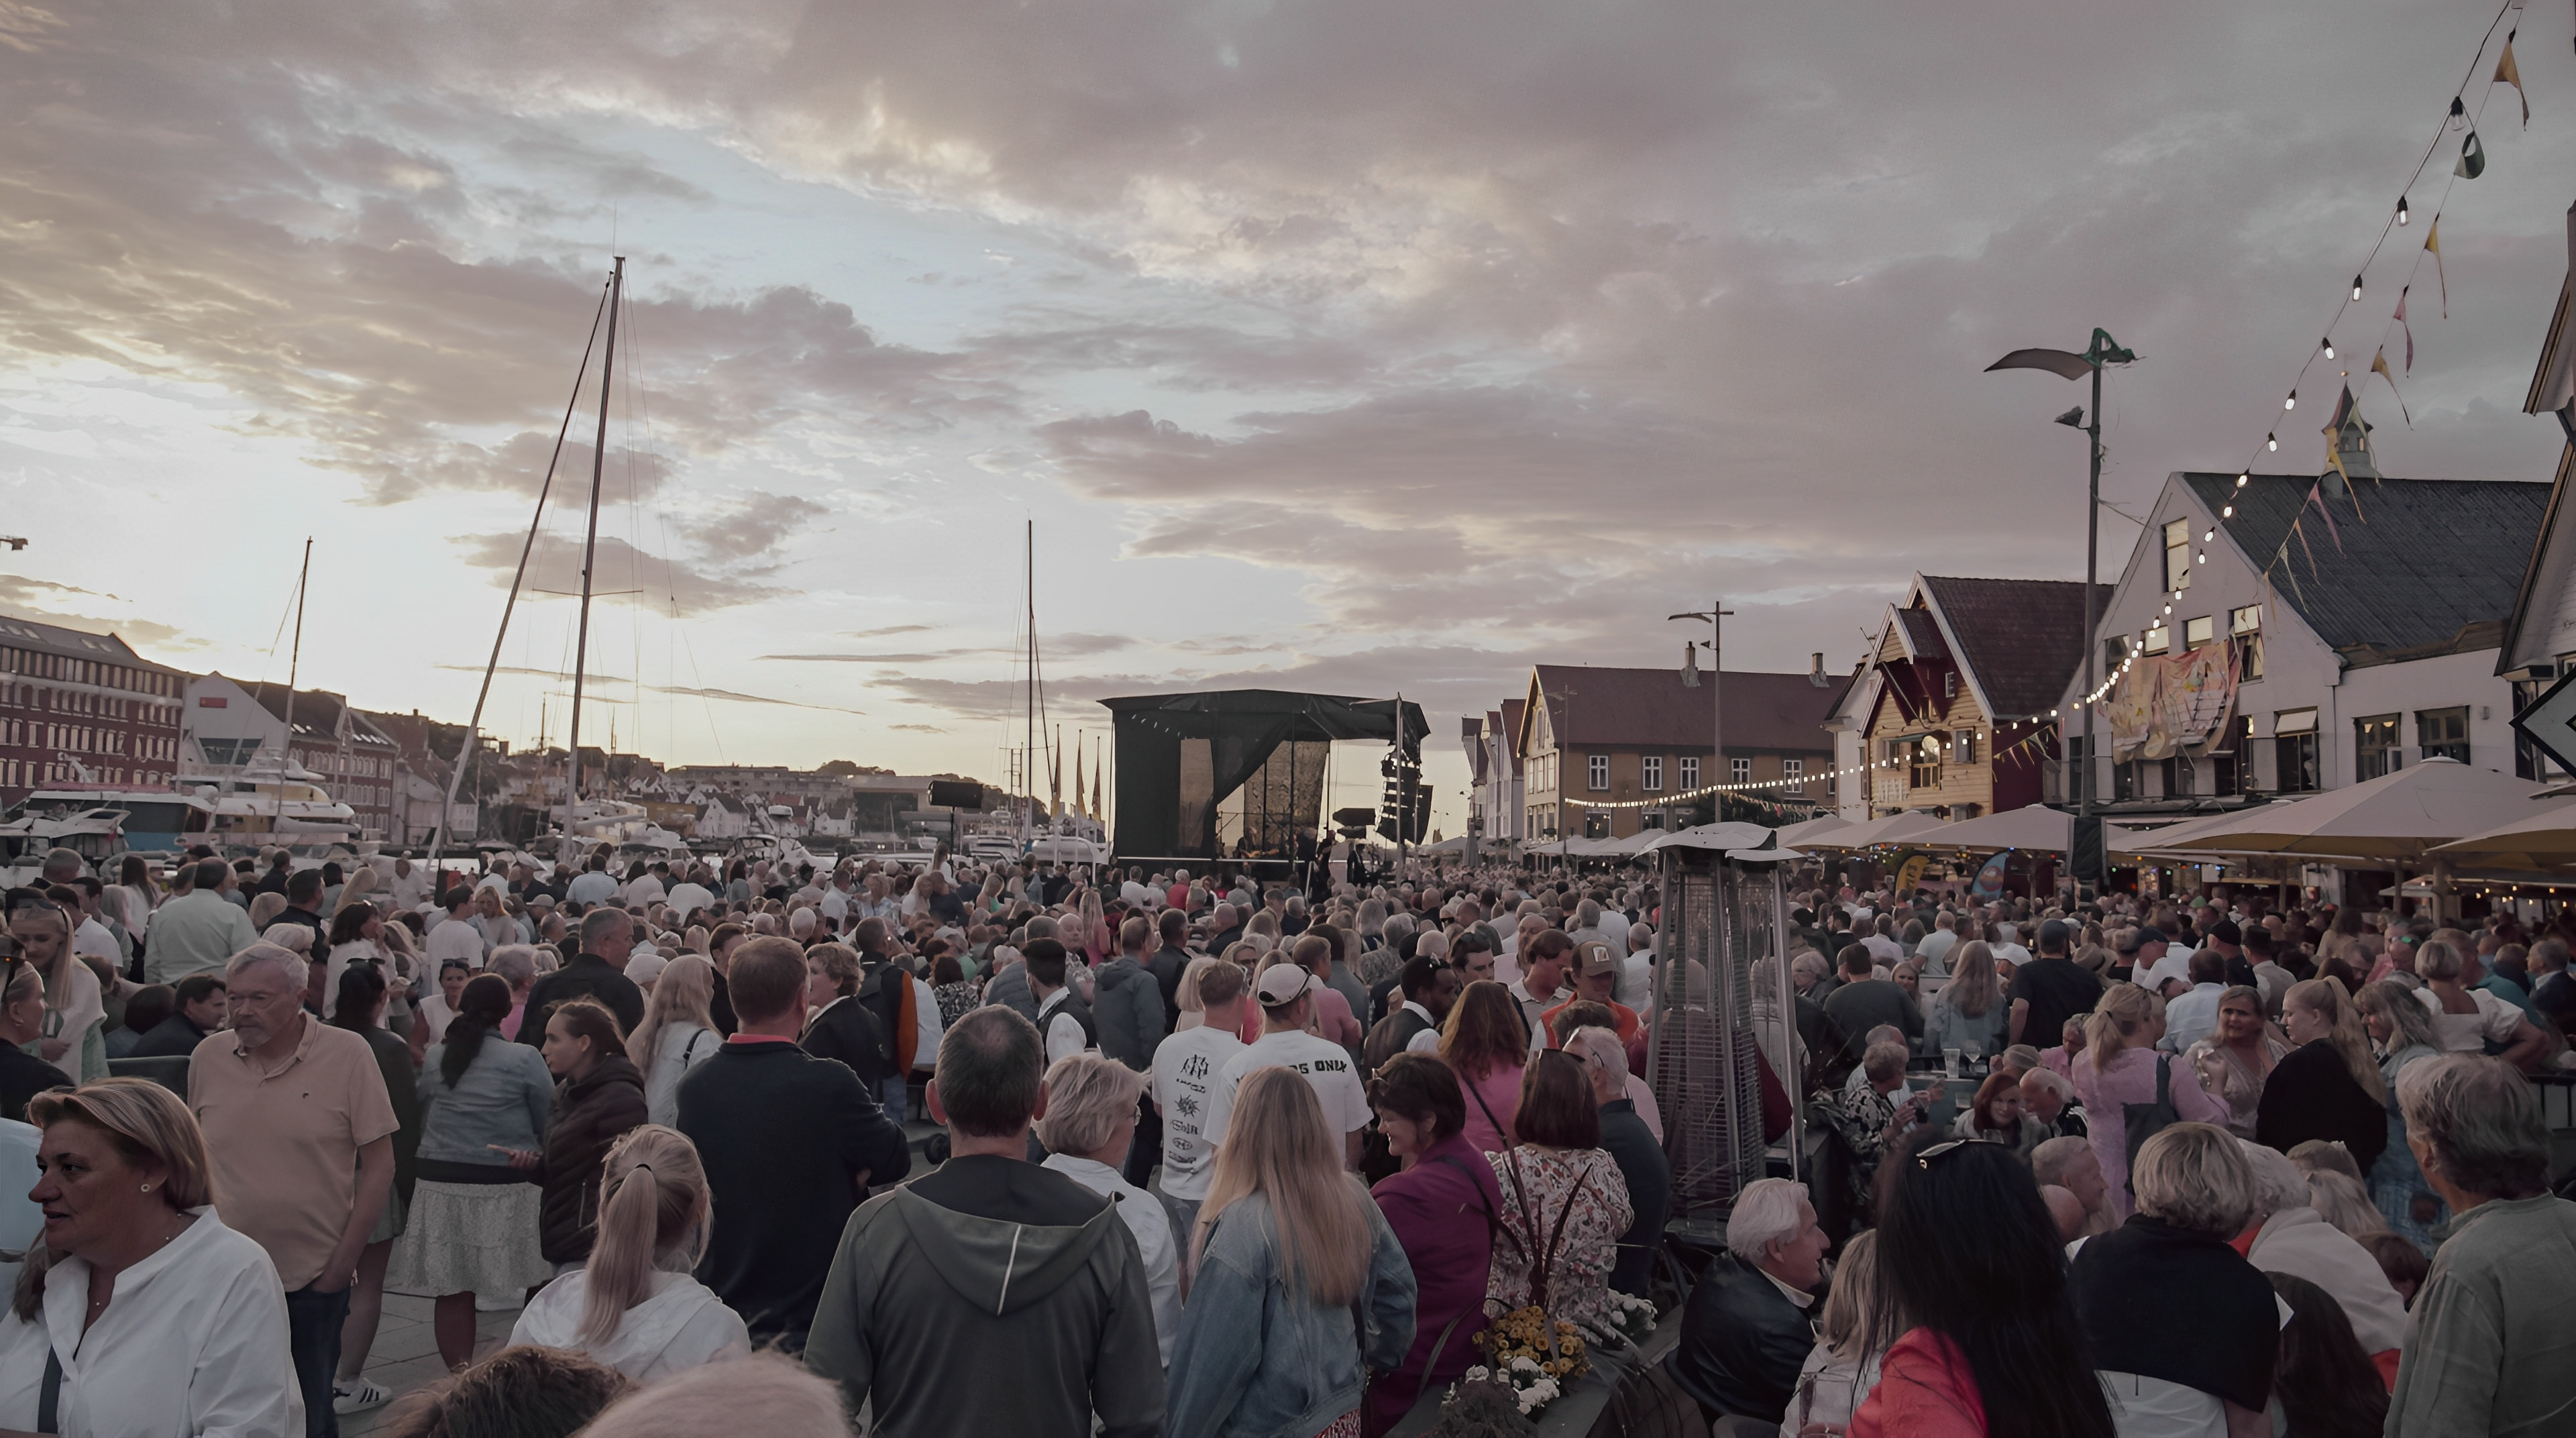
(1181, 755)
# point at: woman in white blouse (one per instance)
(163, 1322)
(677, 1034)
(2468, 1019)
(74, 1004)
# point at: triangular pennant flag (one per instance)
(2317, 497)
(2282, 560)
(2379, 367)
(2297, 529)
(2507, 73)
(2400, 317)
(2473, 158)
(2433, 242)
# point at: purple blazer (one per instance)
(1439, 1210)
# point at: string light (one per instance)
(2291, 403)
(2401, 209)
(2271, 441)
(2329, 347)
(2228, 513)
(2356, 287)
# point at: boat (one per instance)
(272, 803)
(96, 834)
(156, 821)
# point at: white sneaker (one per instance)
(354, 1397)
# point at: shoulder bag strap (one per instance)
(49, 1398)
(1499, 1131)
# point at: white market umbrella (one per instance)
(2394, 817)
(1815, 830)
(1895, 827)
(2542, 840)
(2033, 827)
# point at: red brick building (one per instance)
(82, 708)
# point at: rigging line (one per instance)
(536, 521)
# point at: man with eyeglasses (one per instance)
(299, 1131)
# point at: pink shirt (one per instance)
(1501, 1092)
(1333, 1018)
(2131, 1078)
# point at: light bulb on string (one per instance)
(2356, 287)
(2210, 534)
(2329, 344)
(2292, 402)
(2228, 513)
(2401, 209)
(2244, 479)
(2271, 441)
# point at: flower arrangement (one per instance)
(1537, 1357)
(1633, 1317)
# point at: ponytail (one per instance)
(479, 1010)
(2123, 1010)
(653, 1202)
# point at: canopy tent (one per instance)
(2033, 827)
(2541, 841)
(1749, 842)
(1816, 830)
(2399, 816)
(2151, 839)
(1902, 826)
(1181, 755)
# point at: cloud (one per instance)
(917, 728)
(882, 633)
(554, 569)
(737, 697)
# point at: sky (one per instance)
(1341, 347)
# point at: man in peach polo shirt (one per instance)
(300, 1134)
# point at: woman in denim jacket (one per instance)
(1292, 1255)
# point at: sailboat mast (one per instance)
(590, 547)
(294, 660)
(1029, 741)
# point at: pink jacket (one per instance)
(2131, 1078)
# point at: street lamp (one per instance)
(1716, 614)
(2103, 351)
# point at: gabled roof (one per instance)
(318, 715)
(1652, 708)
(2018, 641)
(1511, 717)
(2415, 573)
(1920, 633)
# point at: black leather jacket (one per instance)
(1742, 1343)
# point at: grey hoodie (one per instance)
(1063, 1307)
(1127, 1009)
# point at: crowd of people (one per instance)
(2229, 1169)
(964, 1147)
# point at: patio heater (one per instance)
(1724, 939)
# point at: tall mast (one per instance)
(590, 547)
(1029, 739)
(294, 659)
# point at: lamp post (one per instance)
(2103, 351)
(1716, 614)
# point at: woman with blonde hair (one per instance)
(2402, 1031)
(634, 1306)
(1483, 1039)
(1288, 1253)
(2467, 1020)
(1193, 1008)
(176, 1323)
(264, 909)
(1089, 1126)
(75, 1001)
(2119, 1066)
(1969, 1014)
(678, 1034)
(2329, 1086)
(1843, 1366)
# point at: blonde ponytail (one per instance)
(2124, 1010)
(653, 1200)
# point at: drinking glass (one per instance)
(1950, 1061)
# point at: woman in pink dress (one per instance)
(1484, 1042)
(2119, 1066)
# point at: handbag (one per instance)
(2144, 1121)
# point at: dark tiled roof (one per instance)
(317, 714)
(2427, 566)
(1651, 709)
(16, 633)
(1922, 635)
(1512, 710)
(2022, 639)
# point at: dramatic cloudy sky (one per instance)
(1330, 345)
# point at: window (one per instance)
(2443, 733)
(2178, 555)
(2115, 652)
(1596, 825)
(2197, 632)
(1963, 746)
(2124, 780)
(1794, 774)
(1597, 774)
(1739, 771)
(2159, 639)
(1690, 771)
(2294, 752)
(2232, 759)
(2374, 747)
(1922, 761)
(1654, 769)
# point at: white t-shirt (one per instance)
(592, 886)
(1185, 1074)
(92, 937)
(455, 939)
(2016, 955)
(1325, 1065)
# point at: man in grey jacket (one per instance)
(991, 1254)
(1126, 1003)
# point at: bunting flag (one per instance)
(2317, 497)
(2379, 367)
(2433, 242)
(2281, 561)
(1055, 777)
(2473, 158)
(2507, 73)
(2298, 529)
(2400, 317)
(1077, 771)
(1098, 799)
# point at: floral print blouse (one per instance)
(1571, 1202)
